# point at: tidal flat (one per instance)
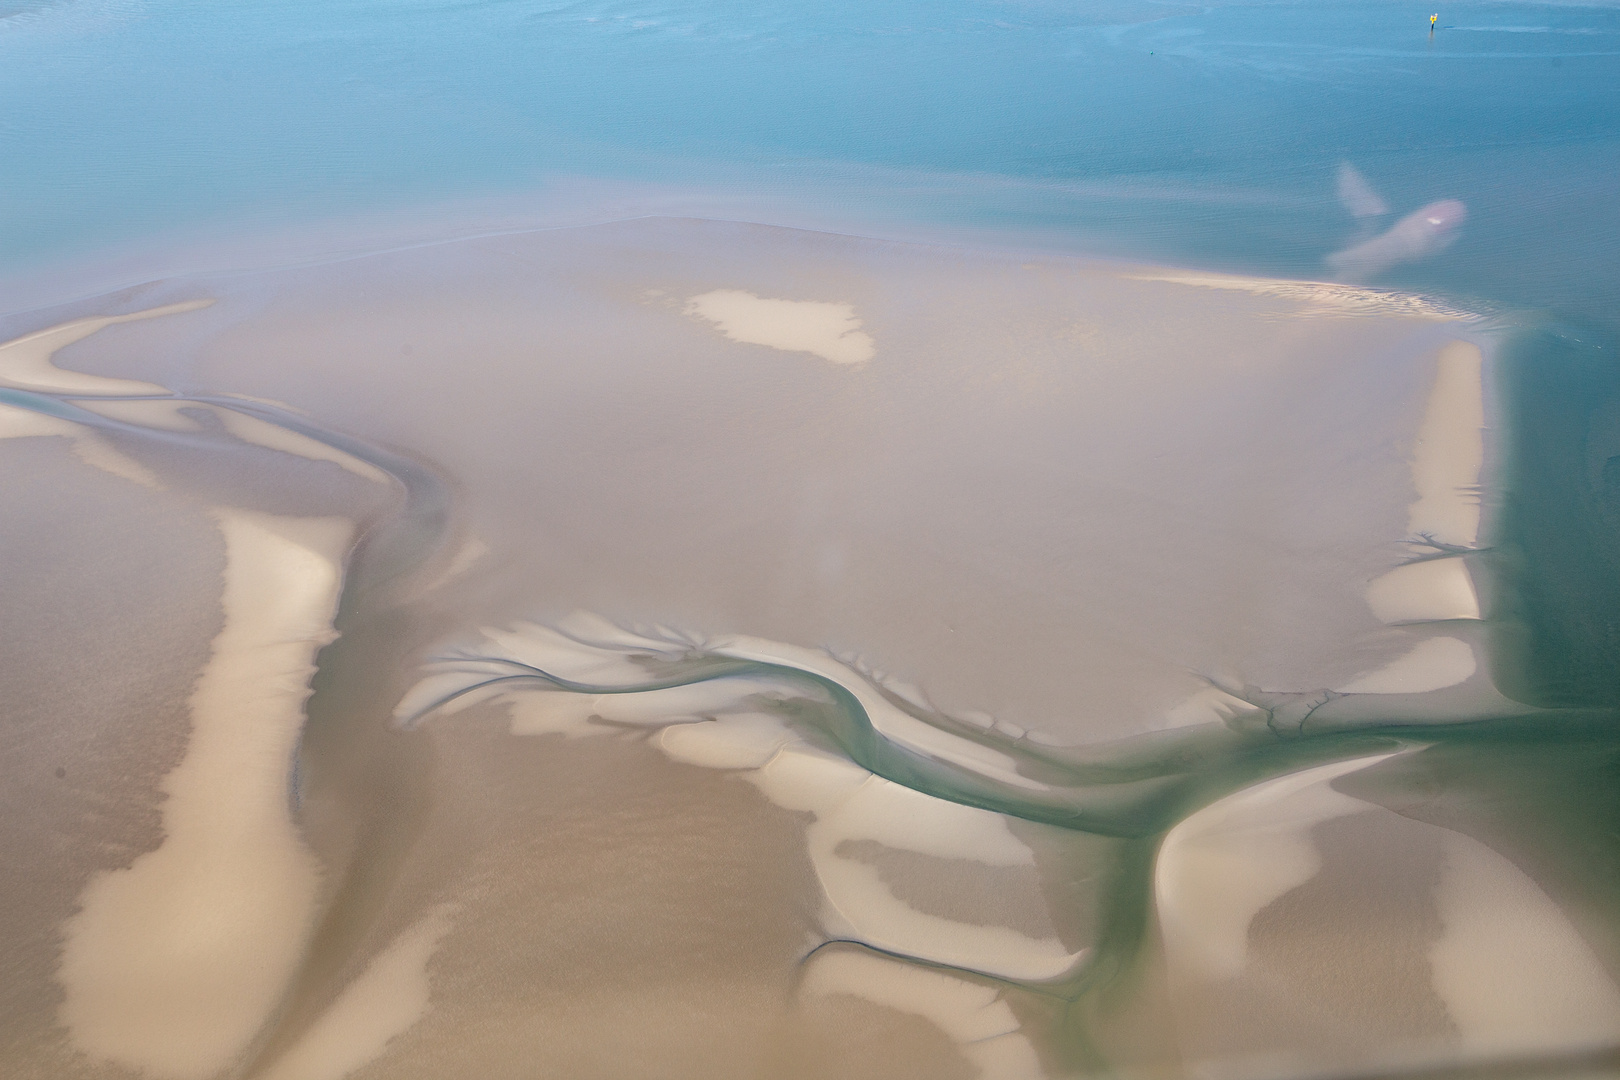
(678, 647)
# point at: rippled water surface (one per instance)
(614, 540)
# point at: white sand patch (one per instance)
(1427, 591)
(1315, 297)
(1433, 664)
(743, 741)
(852, 804)
(25, 362)
(1516, 977)
(974, 1016)
(1221, 866)
(541, 713)
(250, 429)
(173, 965)
(19, 423)
(100, 454)
(1450, 449)
(390, 996)
(830, 331)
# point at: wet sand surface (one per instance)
(1138, 463)
(964, 577)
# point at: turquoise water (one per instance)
(1206, 133)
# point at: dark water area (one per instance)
(1557, 548)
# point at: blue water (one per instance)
(1207, 134)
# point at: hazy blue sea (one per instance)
(1206, 133)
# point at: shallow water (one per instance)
(1208, 133)
(623, 540)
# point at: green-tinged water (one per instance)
(1556, 548)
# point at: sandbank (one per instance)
(1057, 492)
(1057, 502)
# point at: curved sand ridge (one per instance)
(173, 965)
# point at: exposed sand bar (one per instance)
(175, 964)
(1060, 501)
(26, 361)
(1057, 493)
